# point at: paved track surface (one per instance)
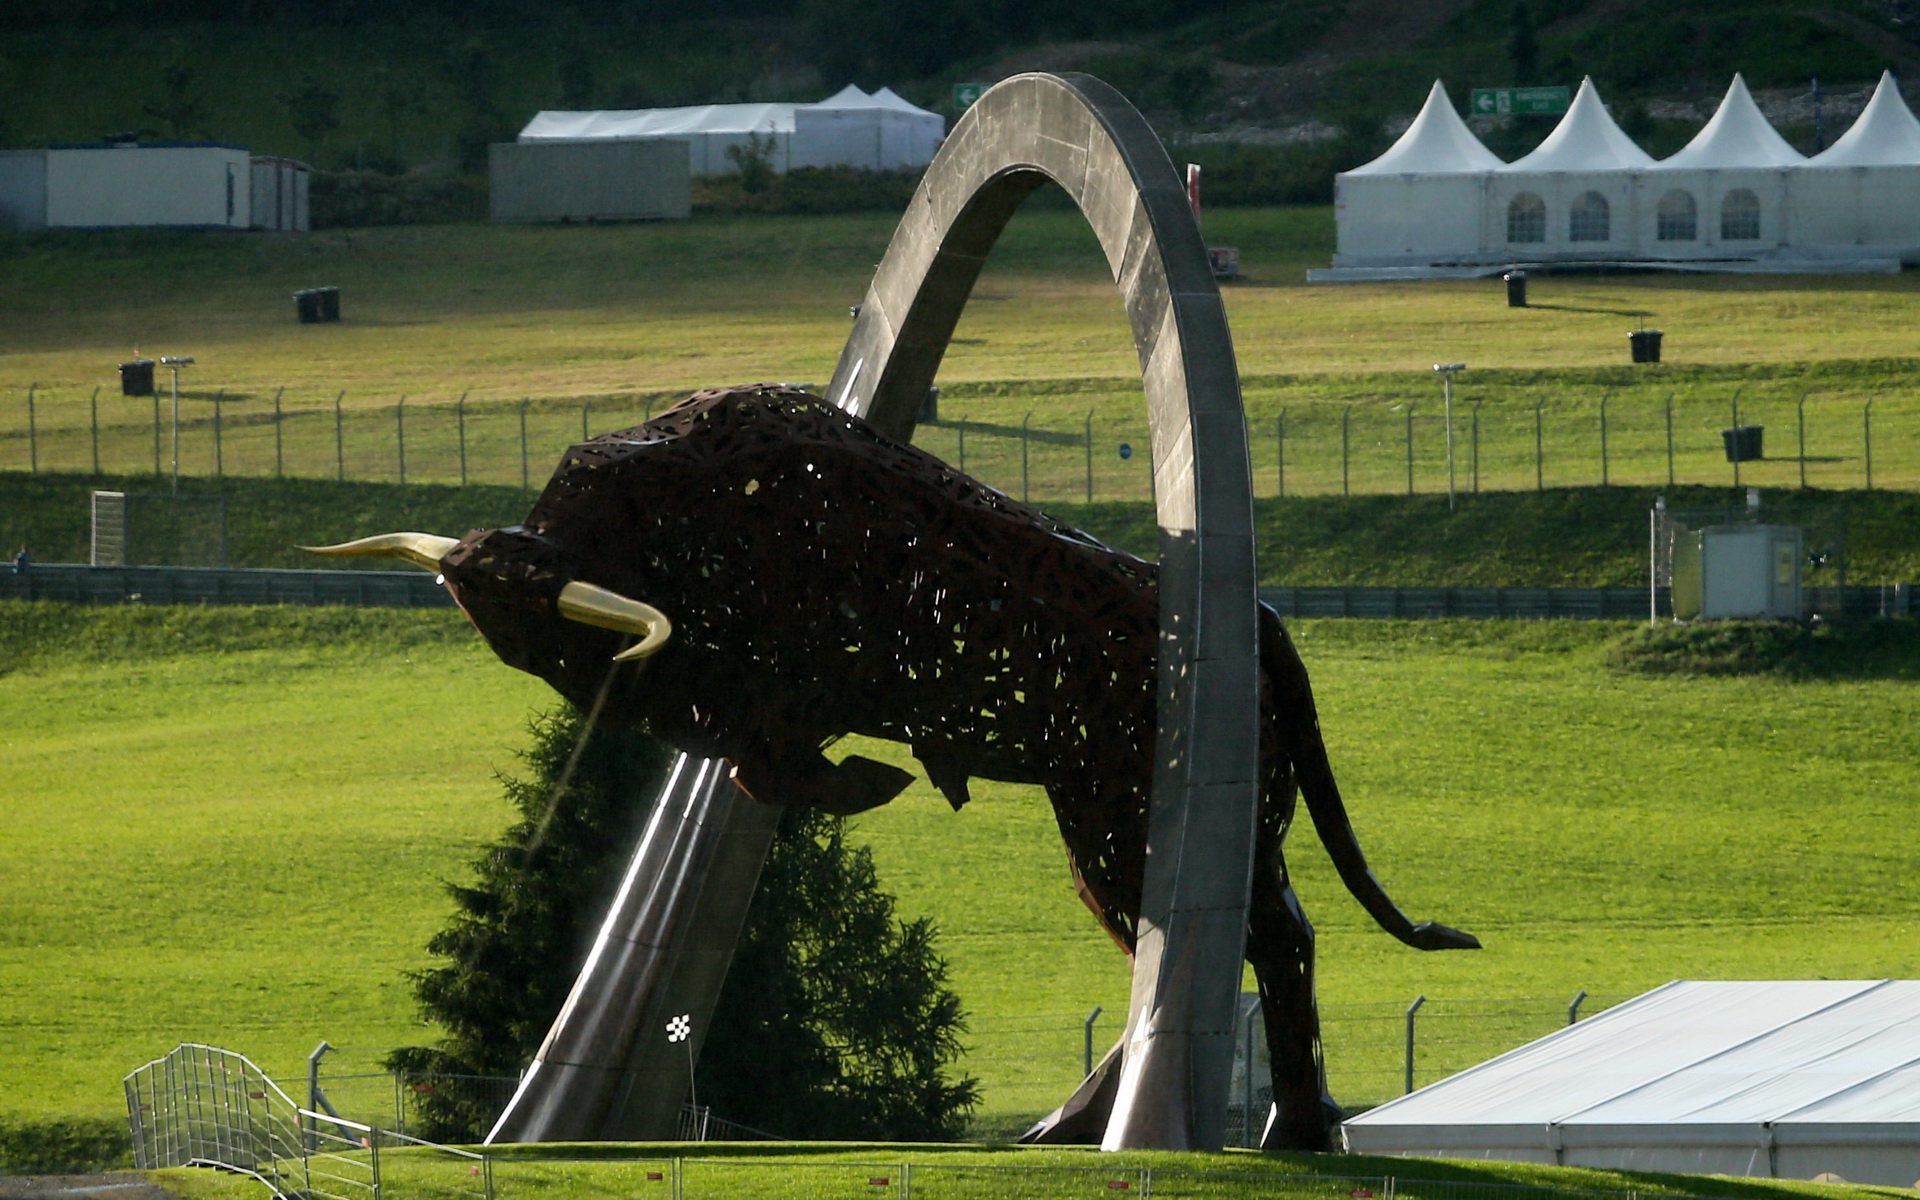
(117, 1186)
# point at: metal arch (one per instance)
(1086, 137)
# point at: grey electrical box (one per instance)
(1750, 571)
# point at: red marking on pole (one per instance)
(879, 1180)
(1362, 1194)
(250, 1096)
(1118, 1185)
(655, 1176)
(422, 1088)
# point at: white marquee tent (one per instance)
(1737, 197)
(1786, 1079)
(850, 128)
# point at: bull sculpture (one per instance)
(822, 579)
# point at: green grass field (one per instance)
(231, 826)
(594, 327)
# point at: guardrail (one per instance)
(201, 1106)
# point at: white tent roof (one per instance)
(1437, 143)
(1737, 136)
(661, 122)
(1885, 133)
(1837, 1061)
(1586, 139)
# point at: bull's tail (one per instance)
(1293, 694)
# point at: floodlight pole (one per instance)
(1447, 371)
(175, 362)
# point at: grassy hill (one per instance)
(231, 826)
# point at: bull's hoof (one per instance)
(858, 784)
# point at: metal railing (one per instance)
(207, 1107)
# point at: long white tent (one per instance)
(1779, 1079)
(1737, 197)
(850, 128)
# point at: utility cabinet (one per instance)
(1737, 571)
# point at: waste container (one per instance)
(1743, 443)
(1645, 344)
(1516, 289)
(136, 377)
(317, 304)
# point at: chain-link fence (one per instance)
(1404, 444)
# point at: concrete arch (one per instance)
(1084, 136)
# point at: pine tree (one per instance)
(835, 1020)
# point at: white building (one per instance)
(176, 186)
(850, 128)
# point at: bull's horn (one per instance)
(420, 549)
(590, 604)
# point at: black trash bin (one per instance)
(1516, 289)
(1645, 344)
(317, 304)
(136, 377)
(1743, 443)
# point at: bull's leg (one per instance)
(1280, 949)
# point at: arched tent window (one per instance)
(1740, 216)
(1526, 218)
(1678, 217)
(1589, 219)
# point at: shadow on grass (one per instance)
(1887, 648)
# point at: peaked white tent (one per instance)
(1786, 1079)
(1574, 196)
(1737, 197)
(850, 128)
(1424, 195)
(1859, 192)
(1728, 190)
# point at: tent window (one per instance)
(1527, 218)
(1740, 216)
(1587, 220)
(1678, 218)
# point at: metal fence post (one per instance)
(963, 445)
(1736, 424)
(1669, 439)
(400, 436)
(523, 445)
(1409, 449)
(1280, 451)
(1604, 397)
(1476, 447)
(1539, 447)
(1089, 456)
(1573, 1009)
(1024, 422)
(1411, 1010)
(460, 419)
(93, 420)
(586, 411)
(1800, 413)
(219, 456)
(33, 433)
(279, 450)
(339, 439)
(1346, 419)
(156, 433)
(1086, 1054)
(1866, 433)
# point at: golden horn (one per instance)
(591, 604)
(420, 549)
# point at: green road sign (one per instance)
(964, 94)
(1525, 101)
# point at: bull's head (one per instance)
(519, 580)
